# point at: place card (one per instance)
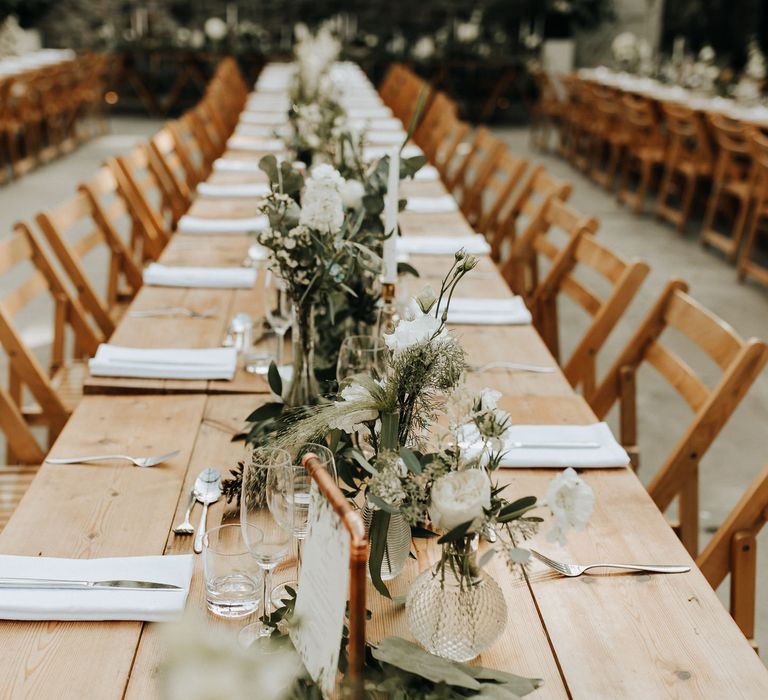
(322, 595)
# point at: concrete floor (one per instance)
(741, 449)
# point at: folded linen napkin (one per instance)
(234, 189)
(427, 173)
(242, 143)
(442, 245)
(489, 312)
(236, 165)
(432, 205)
(608, 454)
(381, 112)
(379, 124)
(392, 138)
(96, 604)
(195, 224)
(268, 106)
(265, 131)
(207, 277)
(409, 151)
(163, 363)
(270, 118)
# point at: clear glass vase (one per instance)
(452, 618)
(398, 545)
(304, 389)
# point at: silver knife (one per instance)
(52, 583)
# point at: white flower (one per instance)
(426, 299)
(571, 501)
(322, 208)
(458, 497)
(352, 193)
(412, 332)
(488, 398)
(707, 54)
(215, 28)
(352, 420)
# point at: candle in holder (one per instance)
(390, 218)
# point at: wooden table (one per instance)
(613, 636)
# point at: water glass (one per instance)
(362, 354)
(233, 581)
(278, 308)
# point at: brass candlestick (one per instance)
(388, 317)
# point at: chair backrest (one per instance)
(642, 122)
(740, 362)
(523, 217)
(76, 229)
(189, 151)
(444, 144)
(688, 138)
(473, 172)
(209, 128)
(733, 550)
(572, 268)
(23, 257)
(440, 108)
(176, 169)
(486, 207)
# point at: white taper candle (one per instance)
(390, 218)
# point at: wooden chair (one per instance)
(732, 185)
(583, 251)
(646, 149)
(445, 142)
(74, 338)
(611, 139)
(440, 108)
(689, 161)
(486, 207)
(740, 361)
(749, 265)
(190, 151)
(526, 208)
(547, 111)
(468, 180)
(170, 158)
(577, 122)
(733, 550)
(74, 230)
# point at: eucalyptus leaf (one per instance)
(265, 412)
(457, 533)
(404, 268)
(377, 536)
(381, 504)
(411, 460)
(516, 684)
(274, 379)
(268, 164)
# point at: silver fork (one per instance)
(186, 527)
(150, 461)
(174, 311)
(576, 570)
(519, 366)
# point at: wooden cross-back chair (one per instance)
(413, 95)
(486, 207)
(749, 264)
(740, 362)
(646, 149)
(358, 559)
(209, 127)
(440, 108)
(581, 251)
(444, 144)
(524, 212)
(578, 122)
(193, 125)
(190, 151)
(78, 219)
(611, 139)
(172, 159)
(733, 550)
(391, 83)
(732, 186)
(689, 161)
(74, 338)
(468, 179)
(546, 111)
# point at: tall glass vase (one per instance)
(304, 389)
(456, 617)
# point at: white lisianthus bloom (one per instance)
(352, 193)
(459, 497)
(412, 332)
(571, 501)
(488, 399)
(357, 398)
(322, 208)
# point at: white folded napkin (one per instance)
(265, 131)
(379, 124)
(163, 363)
(270, 118)
(96, 604)
(234, 189)
(427, 173)
(393, 138)
(269, 106)
(236, 165)
(371, 152)
(369, 112)
(208, 277)
(432, 205)
(196, 224)
(243, 143)
(489, 312)
(443, 245)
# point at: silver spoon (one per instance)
(137, 461)
(207, 491)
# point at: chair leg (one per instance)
(743, 580)
(645, 183)
(746, 251)
(689, 189)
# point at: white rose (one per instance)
(459, 497)
(352, 193)
(412, 332)
(571, 501)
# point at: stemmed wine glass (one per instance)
(278, 309)
(302, 485)
(361, 354)
(267, 503)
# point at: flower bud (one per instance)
(426, 299)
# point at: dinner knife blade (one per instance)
(66, 584)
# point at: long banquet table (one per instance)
(606, 636)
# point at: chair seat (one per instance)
(14, 482)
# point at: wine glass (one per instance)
(278, 308)
(361, 354)
(266, 503)
(302, 485)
